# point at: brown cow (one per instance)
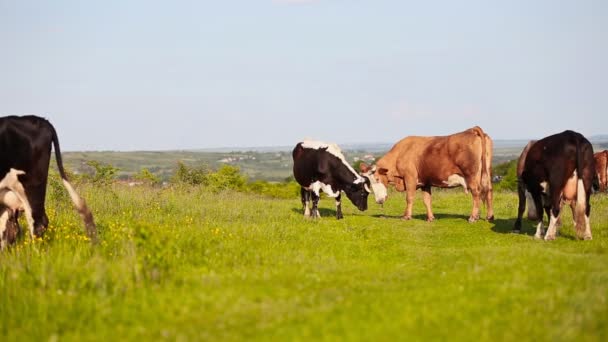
(601, 168)
(461, 159)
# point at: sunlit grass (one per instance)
(189, 264)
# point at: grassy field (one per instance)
(186, 264)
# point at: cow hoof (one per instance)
(549, 237)
(406, 218)
(538, 237)
(430, 219)
(339, 217)
(588, 237)
(473, 219)
(490, 218)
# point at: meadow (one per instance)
(186, 263)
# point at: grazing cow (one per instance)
(25, 144)
(526, 197)
(552, 170)
(319, 166)
(461, 159)
(12, 200)
(601, 169)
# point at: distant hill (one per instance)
(271, 163)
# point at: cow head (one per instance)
(377, 180)
(357, 192)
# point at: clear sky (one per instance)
(149, 75)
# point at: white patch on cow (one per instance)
(317, 187)
(334, 150)
(456, 180)
(379, 190)
(338, 203)
(552, 230)
(532, 210)
(545, 187)
(306, 210)
(539, 230)
(4, 217)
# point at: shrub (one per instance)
(189, 175)
(147, 177)
(508, 171)
(226, 178)
(102, 173)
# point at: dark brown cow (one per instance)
(601, 169)
(526, 197)
(461, 159)
(555, 169)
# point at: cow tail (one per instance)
(486, 182)
(581, 196)
(79, 202)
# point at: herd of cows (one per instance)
(557, 170)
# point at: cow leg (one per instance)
(426, 196)
(554, 205)
(521, 192)
(489, 205)
(539, 227)
(35, 195)
(339, 207)
(305, 197)
(587, 234)
(476, 193)
(552, 230)
(410, 194)
(315, 203)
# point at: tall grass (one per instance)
(185, 263)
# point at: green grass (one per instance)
(190, 265)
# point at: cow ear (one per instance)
(363, 167)
(382, 171)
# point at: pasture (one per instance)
(183, 263)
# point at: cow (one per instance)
(25, 144)
(321, 166)
(12, 200)
(419, 162)
(601, 169)
(526, 197)
(553, 170)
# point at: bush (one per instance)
(226, 178)
(189, 175)
(147, 177)
(102, 173)
(508, 171)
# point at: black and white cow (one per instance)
(25, 144)
(320, 166)
(552, 170)
(13, 200)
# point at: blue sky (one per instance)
(149, 75)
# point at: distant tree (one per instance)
(103, 173)
(188, 175)
(146, 176)
(227, 177)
